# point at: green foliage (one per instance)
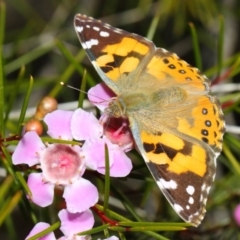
(37, 41)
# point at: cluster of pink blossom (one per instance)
(64, 164)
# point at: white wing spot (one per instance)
(96, 28)
(177, 208)
(204, 201)
(191, 200)
(167, 184)
(84, 45)
(204, 187)
(214, 175)
(107, 26)
(79, 29)
(91, 42)
(187, 207)
(190, 189)
(117, 30)
(208, 189)
(164, 50)
(104, 34)
(87, 26)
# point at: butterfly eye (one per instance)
(114, 109)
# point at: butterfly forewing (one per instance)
(112, 51)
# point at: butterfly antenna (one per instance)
(69, 86)
(79, 90)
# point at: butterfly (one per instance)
(176, 123)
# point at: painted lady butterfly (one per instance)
(177, 125)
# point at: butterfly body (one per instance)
(176, 124)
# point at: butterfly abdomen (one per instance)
(169, 95)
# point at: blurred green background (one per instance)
(33, 27)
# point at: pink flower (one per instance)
(115, 129)
(86, 127)
(39, 227)
(101, 95)
(71, 225)
(61, 164)
(236, 214)
(74, 223)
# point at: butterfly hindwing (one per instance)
(172, 162)
(168, 68)
(209, 126)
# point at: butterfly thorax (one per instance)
(121, 105)
(115, 108)
(128, 103)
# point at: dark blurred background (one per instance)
(33, 26)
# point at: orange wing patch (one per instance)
(179, 155)
(124, 47)
(123, 57)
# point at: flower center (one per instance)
(118, 132)
(61, 164)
